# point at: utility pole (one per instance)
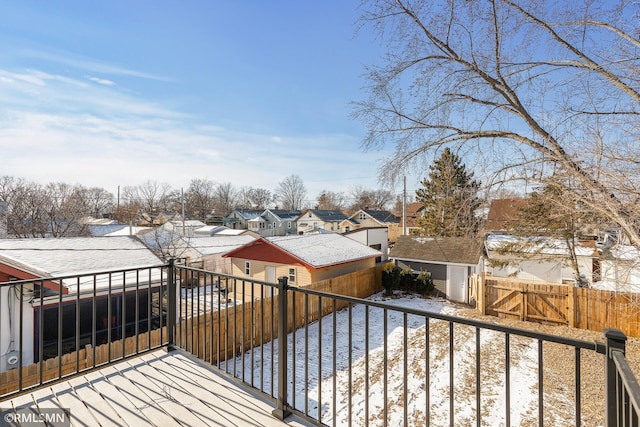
(404, 205)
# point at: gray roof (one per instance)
(456, 250)
(247, 213)
(384, 217)
(327, 215)
(320, 250)
(76, 256)
(284, 214)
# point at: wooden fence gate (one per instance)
(542, 303)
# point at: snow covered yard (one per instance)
(428, 379)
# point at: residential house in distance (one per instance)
(220, 230)
(619, 269)
(374, 237)
(184, 227)
(373, 218)
(502, 213)
(304, 259)
(547, 260)
(276, 222)
(24, 259)
(450, 260)
(239, 218)
(207, 253)
(314, 220)
(413, 215)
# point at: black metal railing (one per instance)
(330, 359)
(53, 328)
(352, 361)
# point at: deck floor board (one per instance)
(155, 389)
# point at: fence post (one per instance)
(482, 293)
(615, 341)
(281, 411)
(171, 303)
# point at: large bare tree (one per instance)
(152, 197)
(364, 198)
(529, 88)
(254, 198)
(225, 198)
(291, 193)
(200, 198)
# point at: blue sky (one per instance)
(120, 92)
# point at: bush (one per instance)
(424, 283)
(390, 278)
(393, 278)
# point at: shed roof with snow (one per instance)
(311, 250)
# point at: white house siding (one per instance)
(375, 238)
(9, 337)
(551, 271)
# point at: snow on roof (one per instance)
(78, 255)
(625, 252)
(219, 244)
(319, 250)
(192, 223)
(127, 231)
(230, 232)
(546, 245)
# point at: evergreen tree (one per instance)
(450, 198)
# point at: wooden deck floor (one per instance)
(156, 389)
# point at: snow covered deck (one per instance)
(155, 389)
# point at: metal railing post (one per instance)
(281, 411)
(615, 341)
(171, 305)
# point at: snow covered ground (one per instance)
(367, 373)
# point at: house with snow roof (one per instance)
(304, 259)
(544, 259)
(239, 219)
(87, 258)
(313, 220)
(618, 269)
(207, 253)
(277, 222)
(374, 237)
(373, 218)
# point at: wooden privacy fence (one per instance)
(217, 335)
(549, 303)
(83, 359)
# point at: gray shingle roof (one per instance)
(327, 215)
(459, 250)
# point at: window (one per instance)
(292, 275)
(247, 268)
(363, 216)
(289, 224)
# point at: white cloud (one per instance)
(54, 128)
(101, 81)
